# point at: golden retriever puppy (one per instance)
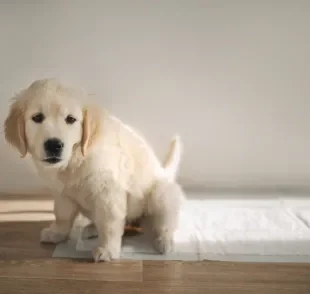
(108, 172)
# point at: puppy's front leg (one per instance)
(65, 213)
(110, 212)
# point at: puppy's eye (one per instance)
(38, 118)
(70, 120)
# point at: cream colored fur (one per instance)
(107, 171)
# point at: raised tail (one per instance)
(172, 162)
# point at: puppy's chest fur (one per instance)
(87, 179)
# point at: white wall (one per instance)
(232, 77)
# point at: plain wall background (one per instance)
(232, 77)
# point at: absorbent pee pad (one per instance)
(256, 234)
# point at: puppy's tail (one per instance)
(172, 162)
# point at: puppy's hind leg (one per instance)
(163, 208)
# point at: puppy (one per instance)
(105, 169)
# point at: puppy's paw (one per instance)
(49, 236)
(103, 254)
(89, 232)
(164, 244)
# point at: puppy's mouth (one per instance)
(52, 160)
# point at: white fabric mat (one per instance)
(255, 233)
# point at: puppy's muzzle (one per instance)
(53, 149)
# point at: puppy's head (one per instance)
(47, 121)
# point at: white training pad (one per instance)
(273, 233)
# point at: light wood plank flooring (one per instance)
(27, 267)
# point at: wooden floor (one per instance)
(27, 267)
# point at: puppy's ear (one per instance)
(92, 126)
(14, 127)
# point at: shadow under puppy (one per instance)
(107, 170)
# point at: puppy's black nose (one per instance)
(53, 147)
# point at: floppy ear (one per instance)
(14, 128)
(92, 123)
